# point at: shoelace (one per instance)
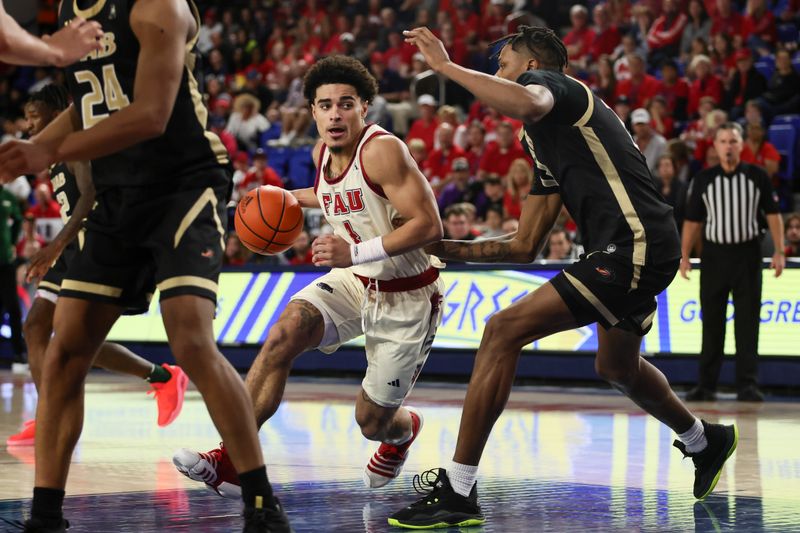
(422, 482)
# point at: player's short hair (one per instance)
(340, 69)
(542, 43)
(53, 97)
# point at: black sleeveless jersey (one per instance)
(102, 83)
(65, 189)
(583, 152)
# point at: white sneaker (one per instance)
(387, 463)
(214, 468)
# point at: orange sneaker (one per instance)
(26, 435)
(169, 395)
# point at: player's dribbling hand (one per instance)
(24, 157)
(74, 41)
(685, 267)
(331, 251)
(431, 47)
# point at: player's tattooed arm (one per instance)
(485, 251)
(539, 213)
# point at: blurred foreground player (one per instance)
(383, 284)
(586, 159)
(162, 182)
(73, 188)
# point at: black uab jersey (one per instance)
(583, 152)
(102, 83)
(65, 189)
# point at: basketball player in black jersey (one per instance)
(162, 182)
(73, 188)
(586, 160)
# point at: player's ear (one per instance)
(533, 64)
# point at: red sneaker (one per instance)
(25, 437)
(169, 395)
(388, 461)
(214, 468)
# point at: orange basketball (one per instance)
(268, 220)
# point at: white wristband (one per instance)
(368, 251)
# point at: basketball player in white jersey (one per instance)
(382, 283)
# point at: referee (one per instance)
(726, 203)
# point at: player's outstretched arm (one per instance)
(389, 164)
(44, 258)
(539, 213)
(63, 48)
(527, 103)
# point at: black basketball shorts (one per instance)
(608, 289)
(172, 235)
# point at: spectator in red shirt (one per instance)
(758, 151)
(45, 206)
(466, 21)
(30, 242)
(705, 84)
(418, 151)
(260, 174)
(301, 250)
(604, 83)
(500, 154)
(476, 145)
(726, 19)
(606, 36)
(674, 90)
(439, 161)
(641, 86)
(425, 126)
(519, 181)
(580, 38)
(493, 26)
(664, 37)
(758, 27)
(660, 119)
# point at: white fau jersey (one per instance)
(358, 211)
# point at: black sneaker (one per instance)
(708, 462)
(38, 525)
(266, 520)
(441, 506)
(750, 394)
(699, 394)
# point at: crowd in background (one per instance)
(673, 71)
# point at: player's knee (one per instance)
(190, 350)
(500, 331)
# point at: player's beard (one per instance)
(336, 149)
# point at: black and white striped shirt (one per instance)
(730, 204)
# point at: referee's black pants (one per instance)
(726, 269)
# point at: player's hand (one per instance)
(685, 267)
(778, 263)
(41, 262)
(24, 157)
(331, 251)
(430, 46)
(74, 41)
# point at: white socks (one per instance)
(462, 477)
(694, 438)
